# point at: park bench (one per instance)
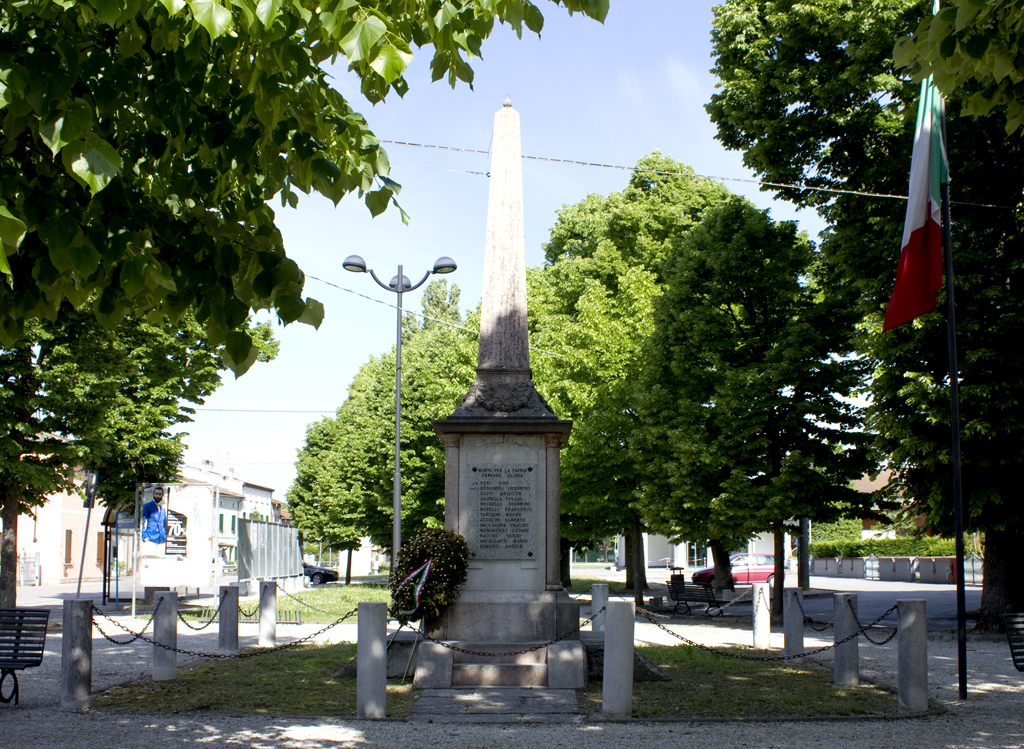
(684, 593)
(22, 639)
(1014, 624)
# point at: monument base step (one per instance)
(499, 674)
(442, 665)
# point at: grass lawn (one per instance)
(295, 681)
(299, 682)
(582, 584)
(705, 685)
(324, 604)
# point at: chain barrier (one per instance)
(201, 627)
(738, 599)
(248, 614)
(307, 605)
(809, 621)
(200, 654)
(533, 649)
(768, 606)
(865, 629)
(96, 610)
(793, 656)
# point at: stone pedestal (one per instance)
(502, 480)
(502, 493)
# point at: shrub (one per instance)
(844, 529)
(448, 554)
(907, 546)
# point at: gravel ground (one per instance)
(990, 719)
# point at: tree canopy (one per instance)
(78, 395)
(810, 94)
(973, 51)
(745, 386)
(344, 487)
(143, 142)
(592, 303)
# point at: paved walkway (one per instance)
(990, 719)
(497, 705)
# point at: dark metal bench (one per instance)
(684, 593)
(1014, 624)
(22, 640)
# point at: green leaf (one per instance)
(239, 353)
(533, 18)
(109, 11)
(59, 232)
(65, 126)
(313, 314)
(289, 307)
(5, 267)
(81, 259)
(268, 11)
(12, 83)
(1002, 66)
(377, 201)
(391, 60)
(975, 46)
(133, 276)
(360, 40)
(447, 13)
(173, 6)
(91, 162)
(212, 16)
(12, 229)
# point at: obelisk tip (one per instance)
(508, 101)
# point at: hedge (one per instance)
(907, 546)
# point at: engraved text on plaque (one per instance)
(502, 511)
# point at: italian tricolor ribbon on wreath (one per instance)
(421, 574)
(919, 274)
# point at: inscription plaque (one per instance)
(502, 511)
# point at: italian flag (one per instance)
(919, 274)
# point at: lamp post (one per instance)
(399, 285)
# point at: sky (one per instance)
(606, 94)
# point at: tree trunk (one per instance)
(565, 562)
(627, 540)
(348, 569)
(780, 571)
(1003, 589)
(639, 560)
(9, 546)
(723, 568)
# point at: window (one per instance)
(233, 518)
(100, 547)
(222, 522)
(67, 546)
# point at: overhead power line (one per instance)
(419, 314)
(785, 185)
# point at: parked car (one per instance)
(746, 569)
(319, 575)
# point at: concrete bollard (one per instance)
(912, 656)
(76, 655)
(845, 664)
(598, 599)
(372, 660)
(762, 617)
(227, 621)
(793, 620)
(617, 690)
(268, 614)
(165, 632)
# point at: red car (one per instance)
(746, 569)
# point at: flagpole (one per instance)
(954, 407)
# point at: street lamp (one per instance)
(399, 285)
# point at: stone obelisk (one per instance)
(502, 463)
